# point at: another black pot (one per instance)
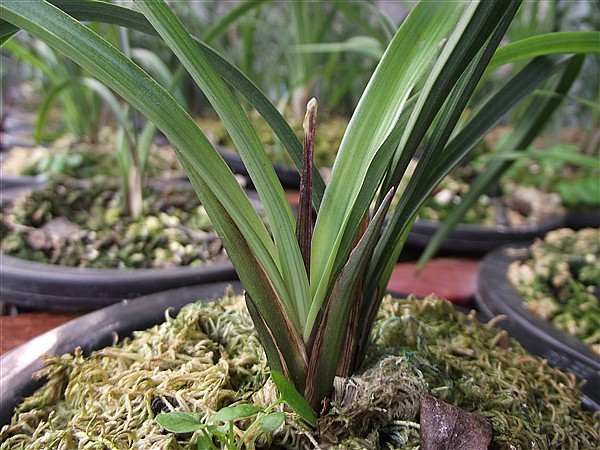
(288, 175)
(583, 219)
(477, 239)
(31, 285)
(91, 332)
(496, 296)
(12, 186)
(13, 181)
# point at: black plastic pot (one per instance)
(90, 332)
(496, 296)
(477, 239)
(13, 181)
(31, 285)
(287, 175)
(583, 219)
(12, 186)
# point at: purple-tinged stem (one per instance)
(304, 224)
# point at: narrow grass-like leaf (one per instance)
(552, 153)
(533, 121)
(56, 77)
(364, 45)
(548, 44)
(295, 295)
(460, 52)
(233, 15)
(396, 75)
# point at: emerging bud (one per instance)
(305, 212)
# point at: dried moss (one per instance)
(209, 357)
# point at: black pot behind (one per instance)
(91, 332)
(287, 175)
(496, 296)
(469, 239)
(31, 285)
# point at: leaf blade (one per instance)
(180, 422)
(295, 292)
(293, 398)
(547, 44)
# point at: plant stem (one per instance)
(304, 222)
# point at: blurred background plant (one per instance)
(295, 50)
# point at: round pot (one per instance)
(583, 219)
(91, 331)
(37, 286)
(496, 296)
(287, 175)
(12, 186)
(31, 285)
(13, 181)
(477, 239)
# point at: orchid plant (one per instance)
(313, 287)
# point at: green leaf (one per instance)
(231, 413)
(293, 399)
(271, 422)
(558, 153)
(219, 431)
(533, 121)
(365, 45)
(235, 13)
(423, 33)
(546, 44)
(118, 15)
(295, 292)
(180, 422)
(205, 442)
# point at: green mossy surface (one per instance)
(209, 357)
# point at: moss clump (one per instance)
(209, 357)
(82, 224)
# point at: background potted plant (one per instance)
(95, 245)
(547, 292)
(313, 294)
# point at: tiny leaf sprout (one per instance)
(266, 420)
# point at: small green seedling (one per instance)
(266, 421)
